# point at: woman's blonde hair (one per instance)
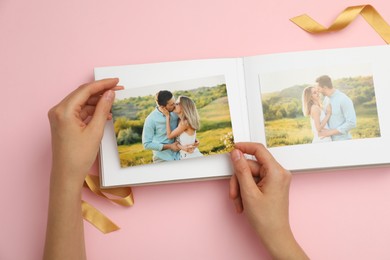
(307, 102)
(189, 111)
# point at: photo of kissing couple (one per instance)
(170, 129)
(172, 121)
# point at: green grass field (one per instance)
(298, 131)
(210, 143)
(218, 110)
(135, 154)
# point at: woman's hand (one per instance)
(190, 148)
(261, 189)
(187, 148)
(164, 111)
(329, 110)
(77, 125)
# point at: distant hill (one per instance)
(128, 110)
(216, 111)
(287, 102)
(137, 108)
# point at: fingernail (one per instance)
(109, 95)
(235, 155)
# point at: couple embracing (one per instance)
(330, 119)
(170, 129)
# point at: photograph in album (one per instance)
(172, 121)
(304, 106)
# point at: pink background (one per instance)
(48, 48)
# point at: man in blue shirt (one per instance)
(154, 135)
(343, 117)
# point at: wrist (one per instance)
(69, 170)
(282, 245)
(67, 181)
(167, 146)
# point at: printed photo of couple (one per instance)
(172, 121)
(300, 107)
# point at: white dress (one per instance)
(186, 139)
(316, 138)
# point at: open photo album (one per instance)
(313, 110)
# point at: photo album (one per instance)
(313, 110)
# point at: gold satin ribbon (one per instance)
(98, 219)
(349, 14)
(121, 196)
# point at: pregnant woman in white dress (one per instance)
(186, 130)
(311, 106)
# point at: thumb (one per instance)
(102, 111)
(243, 172)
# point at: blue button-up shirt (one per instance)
(343, 116)
(154, 135)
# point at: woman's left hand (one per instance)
(77, 125)
(186, 148)
(190, 148)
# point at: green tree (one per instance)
(121, 123)
(127, 136)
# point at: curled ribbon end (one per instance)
(121, 196)
(97, 219)
(349, 14)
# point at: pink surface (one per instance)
(47, 48)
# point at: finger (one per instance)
(84, 92)
(109, 117)
(234, 194)
(86, 112)
(239, 205)
(93, 100)
(234, 187)
(255, 168)
(263, 156)
(102, 112)
(243, 172)
(258, 171)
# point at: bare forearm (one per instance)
(65, 231)
(77, 124)
(328, 132)
(168, 126)
(324, 122)
(168, 147)
(283, 246)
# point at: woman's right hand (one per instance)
(329, 110)
(164, 111)
(260, 188)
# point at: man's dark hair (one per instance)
(324, 81)
(162, 97)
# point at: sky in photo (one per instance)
(172, 86)
(280, 80)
